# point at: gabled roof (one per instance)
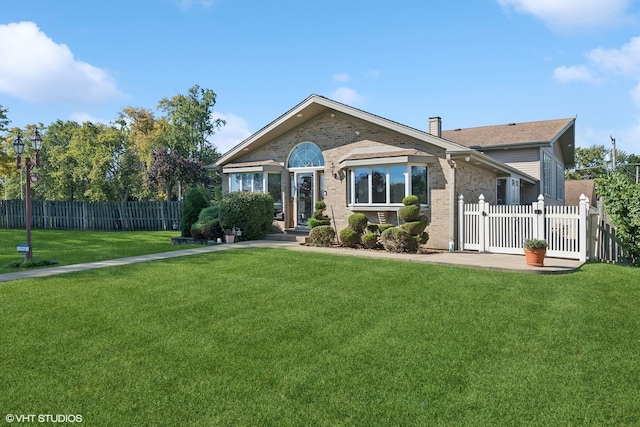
(315, 105)
(574, 188)
(542, 133)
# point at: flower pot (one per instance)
(229, 238)
(535, 257)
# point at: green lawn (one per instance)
(276, 337)
(72, 247)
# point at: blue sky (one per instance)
(473, 63)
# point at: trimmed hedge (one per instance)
(322, 235)
(395, 239)
(349, 237)
(370, 240)
(251, 212)
(358, 222)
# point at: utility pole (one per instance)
(613, 160)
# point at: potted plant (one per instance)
(535, 251)
(230, 235)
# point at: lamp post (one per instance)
(18, 146)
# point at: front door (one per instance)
(305, 197)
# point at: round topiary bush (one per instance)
(411, 200)
(319, 218)
(409, 213)
(416, 227)
(358, 222)
(349, 237)
(370, 240)
(322, 235)
(395, 239)
(382, 227)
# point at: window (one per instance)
(546, 174)
(362, 185)
(397, 183)
(255, 183)
(559, 182)
(501, 191)
(419, 183)
(305, 155)
(387, 185)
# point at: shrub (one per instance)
(395, 239)
(210, 212)
(322, 235)
(383, 227)
(319, 218)
(416, 227)
(194, 202)
(372, 228)
(423, 238)
(349, 237)
(411, 200)
(409, 213)
(251, 212)
(314, 222)
(206, 230)
(370, 240)
(358, 222)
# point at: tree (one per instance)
(589, 163)
(7, 162)
(169, 168)
(191, 123)
(622, 203)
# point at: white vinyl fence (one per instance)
(574, 232)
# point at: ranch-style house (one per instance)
(360, 162)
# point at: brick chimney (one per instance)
(435, 126)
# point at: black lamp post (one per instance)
(18, 146)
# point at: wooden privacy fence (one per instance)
(575, 232)
(98, 216)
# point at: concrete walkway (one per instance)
(466, 259)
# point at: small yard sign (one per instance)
(22, 248)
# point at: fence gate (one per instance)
(503, 229)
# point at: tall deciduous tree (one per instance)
(7, 165)
(191, 123)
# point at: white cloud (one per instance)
(82, 117)
(625, 60)
(341, 77)
(569, 14)
(233, 133)
(347, 96)
(577, 73)
(635, 95)
(36, 69)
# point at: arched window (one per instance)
(305, 155)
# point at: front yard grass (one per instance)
(73, 247)
(276, 337)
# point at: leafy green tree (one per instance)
(622, 203)
(589, 163)
(7, 162)
(59, 180)
(191, 123)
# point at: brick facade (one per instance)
(338, 134)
